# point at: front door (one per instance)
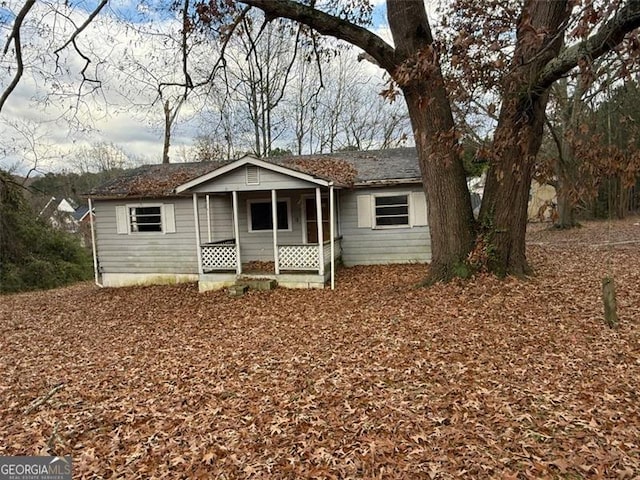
(312, 223)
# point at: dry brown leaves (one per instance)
(478, 379)
(338, 170)
(155, 180)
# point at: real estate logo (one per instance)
(35, 468)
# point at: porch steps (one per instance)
(243, 284)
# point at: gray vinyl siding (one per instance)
(154, 253)
(175, 253)
(369, 246)
(237, 180)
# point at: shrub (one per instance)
(33, 255)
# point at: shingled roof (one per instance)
(343, 168)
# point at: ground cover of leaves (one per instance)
(480, 379)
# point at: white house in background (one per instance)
(286, 218)
(60, 214)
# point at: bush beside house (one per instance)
(33, 255)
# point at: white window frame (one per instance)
(374, 216)
(268, 200)
(129, 206)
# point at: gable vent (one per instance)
(253, 175)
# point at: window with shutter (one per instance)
(145, 218)
(364, 211)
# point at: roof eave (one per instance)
(121, 196)
(387, 182)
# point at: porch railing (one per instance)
(337, 249)
(222, 255)
(298, 257)
(219, 255)
(305, 256)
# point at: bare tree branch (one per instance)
(81, 28)
(605, 39)
(72, 41)
(15, 36)
(333, 26)
(185, 51)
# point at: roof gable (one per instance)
(248, 160)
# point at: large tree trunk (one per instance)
(567, 173)
(566, 206)
(567, 166)
(451, 223)
(518, 137)
(503, 213)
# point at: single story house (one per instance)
(286, 218)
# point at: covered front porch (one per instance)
(307, 265)
(243, 230)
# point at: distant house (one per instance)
(81, 214)
(82, 219)
(60, 214)
(542, 202)
(287, 218)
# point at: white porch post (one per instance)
(196, 220)
(274, 219)
(331, 236)
(236, 231)
(320, 237)
(208, 219)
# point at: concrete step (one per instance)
(237, 290)
(258, 283)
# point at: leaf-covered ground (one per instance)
(479, 379)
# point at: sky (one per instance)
(37, 127)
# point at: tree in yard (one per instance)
(100, 157)
(522, 48)
(566, 128)
(259, 64)
(541, 56)
(594, 130)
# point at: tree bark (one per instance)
(451, 222)
(566, 207)
(518, 136)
